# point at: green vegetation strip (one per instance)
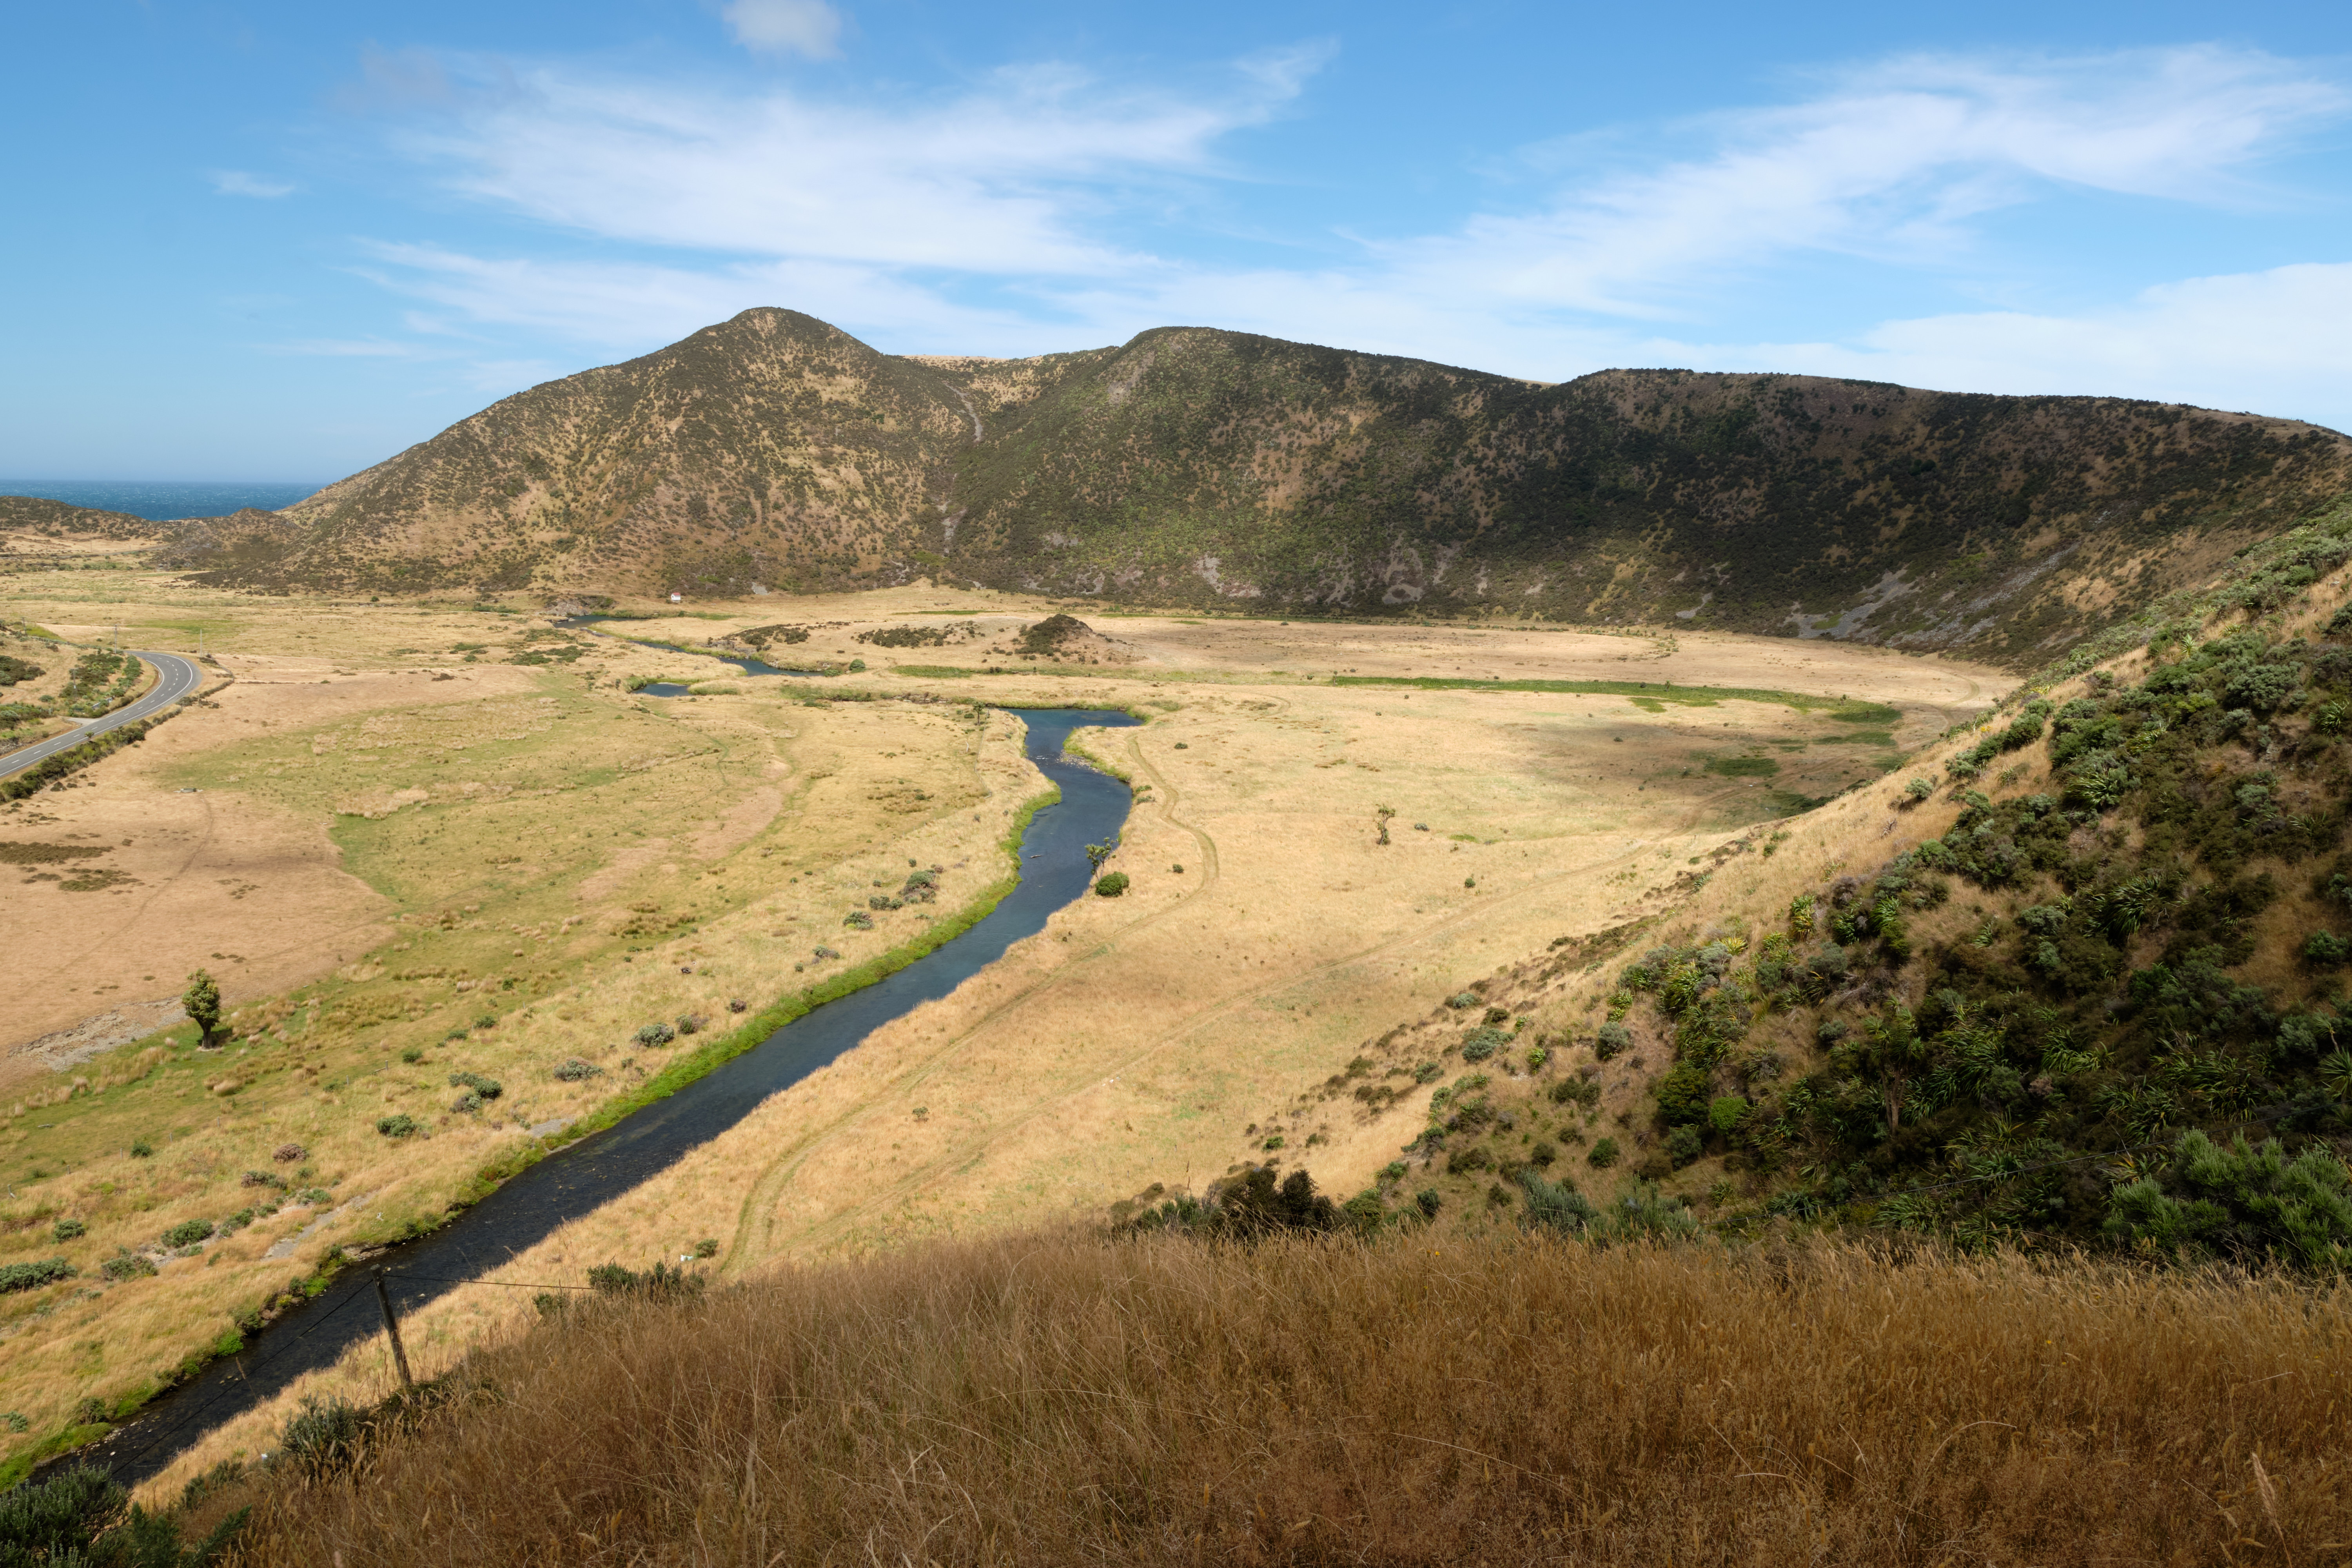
(1646, 691)
(669, 1081)
(709, 1057)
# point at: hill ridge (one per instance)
(1196, 467)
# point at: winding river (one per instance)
(583, 1176)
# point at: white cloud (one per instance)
(1024, 193)
(808, 27)
(2269, 342)
(1020, 175)
(1890, 162)
(238, 182)
(638, 307)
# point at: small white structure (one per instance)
(677, 598)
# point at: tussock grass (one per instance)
(1058, 1399)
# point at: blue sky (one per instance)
(276, 241)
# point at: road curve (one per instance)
(176, 678)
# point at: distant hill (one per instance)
(1198, 467)
(249, 540)
(32, 514)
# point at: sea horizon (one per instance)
(166, 501)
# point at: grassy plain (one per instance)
(411, 818)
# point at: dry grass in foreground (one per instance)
(1061, 1400)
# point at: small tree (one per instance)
(1382, 815)
(201, 1002)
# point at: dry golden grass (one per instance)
(492, 831)
(1048, 1399)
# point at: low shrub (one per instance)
(1484, 1042)
(575, 1069)
(1612, 1038)
(487, 1088)
(656, 1035)
(1556, 1207)
(1111, 886)
(189, 1232)
(67, 1229)
(287, 1154)
(33, 1276)
(2326, 947)
(858, 920)
(323, 1436)
(1683, 1145)
(707, 1248)
(84, 1518)
(1462, 1000)
(127, 1265)
(270, 1178)
(659, 1283)
(1603, 1154)
(1682, 1095)
(400, 1126)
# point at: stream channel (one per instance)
(585, 1176)
(744, 662)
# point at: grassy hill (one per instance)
(1199, 468)
(2079, 981)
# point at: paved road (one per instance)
(180, 676)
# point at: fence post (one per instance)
(392, 1329)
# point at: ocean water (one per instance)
(160, 500)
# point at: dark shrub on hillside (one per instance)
(1481, 1043)
(660, 1283)
(33, 1276)
(1555, 1206)
(1111, 886)
(1248, 1206)
(323, 1436)
(1683, 1095)
(2243, 1202)
(83, 1518)
(1612, 1038)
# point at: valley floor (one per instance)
(458, 833)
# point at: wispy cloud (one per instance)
(1007, 218)
(238, 182)
(808, 27)
(1032, 172)
(1891, 162)
(2272, 342)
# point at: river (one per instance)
(583, 1176)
